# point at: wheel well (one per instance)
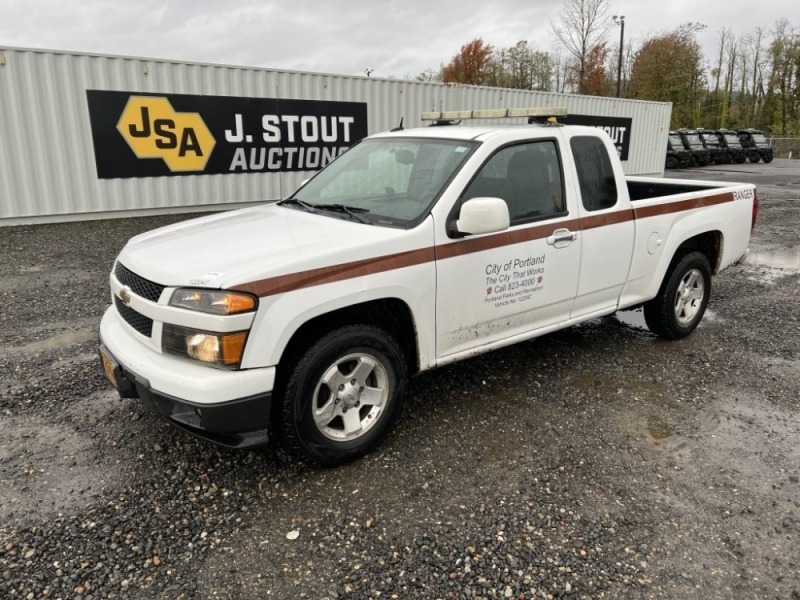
(390, 314)
(709, 243)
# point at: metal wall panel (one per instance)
(47, 163)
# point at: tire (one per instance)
(753, 157)
(682, 300)
(672, 162)
(726, 158)
(343, 396)
(740, 158)
(768, 158)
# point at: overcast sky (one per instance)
(398, 39)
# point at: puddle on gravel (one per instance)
(635, 318)
(768, 267)
(658, 429)
(779, 260)
(47, 467)
(70, 338)
(632, 318)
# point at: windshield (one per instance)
(732, 139)
(759, 139)
(386, 181)
(694, 139)
(676, 142)
(711, 140)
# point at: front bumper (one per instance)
(228, 408)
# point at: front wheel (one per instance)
(679, 306)
(754, 157)
(343, 395)
(671, 162)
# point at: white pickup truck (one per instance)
(304, 319)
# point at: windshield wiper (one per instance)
(302, 204)
(351, 211)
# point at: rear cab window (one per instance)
(595, 174)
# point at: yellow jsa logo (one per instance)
(153, 129)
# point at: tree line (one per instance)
(751, 81)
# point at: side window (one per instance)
(527, 176)
(595, 174)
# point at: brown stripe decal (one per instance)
(620, 216)
(673, 207)
(506, 238)
(359, 268)
(380, 264)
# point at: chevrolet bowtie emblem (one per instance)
(125, 296)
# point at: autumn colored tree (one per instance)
(471, 65)
(669, 68)
(582, 25)
(596, 81)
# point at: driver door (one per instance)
(496, 286)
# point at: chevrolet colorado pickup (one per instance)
(304, 319)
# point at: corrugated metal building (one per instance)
(86, 136)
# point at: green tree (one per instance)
(523, 67)
(781, 111)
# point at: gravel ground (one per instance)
(598, 462)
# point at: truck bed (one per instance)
(647, 188)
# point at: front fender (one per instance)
(280, 316)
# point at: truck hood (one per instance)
(236, 247)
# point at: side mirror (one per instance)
(483, 215)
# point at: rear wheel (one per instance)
(753, 157)
(343, 395)
(682, 300)
(672, 162)
(768, 158)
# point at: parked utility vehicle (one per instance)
(729, 140)
(756, 145)
(718, 153)
(692, 141)
(414, 249)
(677, 155)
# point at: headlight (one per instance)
(216, 349)
(216, 302)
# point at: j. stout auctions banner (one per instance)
(617, 128)
(152, 135)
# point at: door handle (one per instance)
(562, 237)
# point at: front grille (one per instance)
(138, 321)
(139, 285)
